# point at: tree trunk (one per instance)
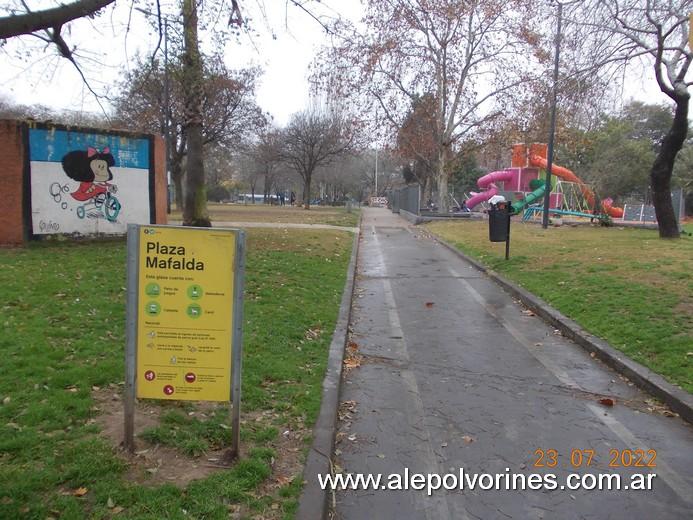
(195, 198)
(660, 175)
(267, 189)
(442, 177)
(306, 192)
(178, 186)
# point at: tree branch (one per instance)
(28, 23)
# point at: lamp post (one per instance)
(552, 129)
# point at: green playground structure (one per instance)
(530, 198)
(538, 195)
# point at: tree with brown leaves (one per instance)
(466, 55)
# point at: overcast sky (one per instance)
(284, 43)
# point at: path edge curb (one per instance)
(677, 399)
(313, 501)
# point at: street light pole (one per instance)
(552, 129)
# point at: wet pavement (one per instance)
(455, 374)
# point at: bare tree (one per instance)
(267, 156)
(622, 31)
(314, 138)
(249, 174)
(464, 54)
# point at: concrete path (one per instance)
(455, 375)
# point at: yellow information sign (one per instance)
(185, 313)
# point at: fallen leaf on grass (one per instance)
(282, 481)
(80, 492)
(312, 334)
(606, 401)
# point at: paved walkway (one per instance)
(456, 375)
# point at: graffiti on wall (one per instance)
(88, 183)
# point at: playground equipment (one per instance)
(523, 182)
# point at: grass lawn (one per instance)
(336, 216)
(624, 285)
(63, 311)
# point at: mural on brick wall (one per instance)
(88, 182)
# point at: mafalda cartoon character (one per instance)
(92, 169)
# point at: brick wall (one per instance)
(12, 231)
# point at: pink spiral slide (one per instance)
(487, 183)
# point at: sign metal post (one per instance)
(237, 350)
(133, 242)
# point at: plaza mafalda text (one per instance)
(170, 256)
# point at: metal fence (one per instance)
(646, 212)
(406, 199)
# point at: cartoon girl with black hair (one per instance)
(92, 169)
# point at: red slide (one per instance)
(568, 176)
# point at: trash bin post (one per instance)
(507, 240)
